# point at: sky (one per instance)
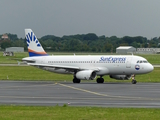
(70, 17)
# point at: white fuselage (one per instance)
(102, 64)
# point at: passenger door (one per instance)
(128, 63)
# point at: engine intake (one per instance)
(86, 75)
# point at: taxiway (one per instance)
(42, 93)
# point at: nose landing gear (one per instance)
(133, 79)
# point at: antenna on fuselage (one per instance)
(132, 53)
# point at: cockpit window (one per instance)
(145, 61)
(142, 61)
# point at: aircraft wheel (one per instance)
(134, 81)
(78, 80)
(75, 80)
(100, 80)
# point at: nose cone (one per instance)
(150, 68)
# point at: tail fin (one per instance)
(34, 46)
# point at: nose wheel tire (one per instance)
(134, 81)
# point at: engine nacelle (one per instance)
(120, 77)
(86, 75)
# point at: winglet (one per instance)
(34, 46)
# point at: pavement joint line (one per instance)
(105, 95)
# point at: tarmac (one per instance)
(44, 93)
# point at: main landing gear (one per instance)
(100, 80)
(75, 80)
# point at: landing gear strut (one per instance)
(133, 79)
(100, 80)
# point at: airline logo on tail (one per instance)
(31, 37)
(34, 47)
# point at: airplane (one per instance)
(85, 67)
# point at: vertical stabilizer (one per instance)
(34, 46)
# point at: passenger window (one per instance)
(140, 61)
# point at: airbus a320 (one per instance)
(85, 67)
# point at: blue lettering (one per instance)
(113, 59)
(101, 59)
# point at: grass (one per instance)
(29, 73)
(77, 113)
(12, 59)
(32, 73)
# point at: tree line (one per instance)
(83, 43)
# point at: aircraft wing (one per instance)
(61, 67)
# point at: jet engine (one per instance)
(120, 77)
(86, 75)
